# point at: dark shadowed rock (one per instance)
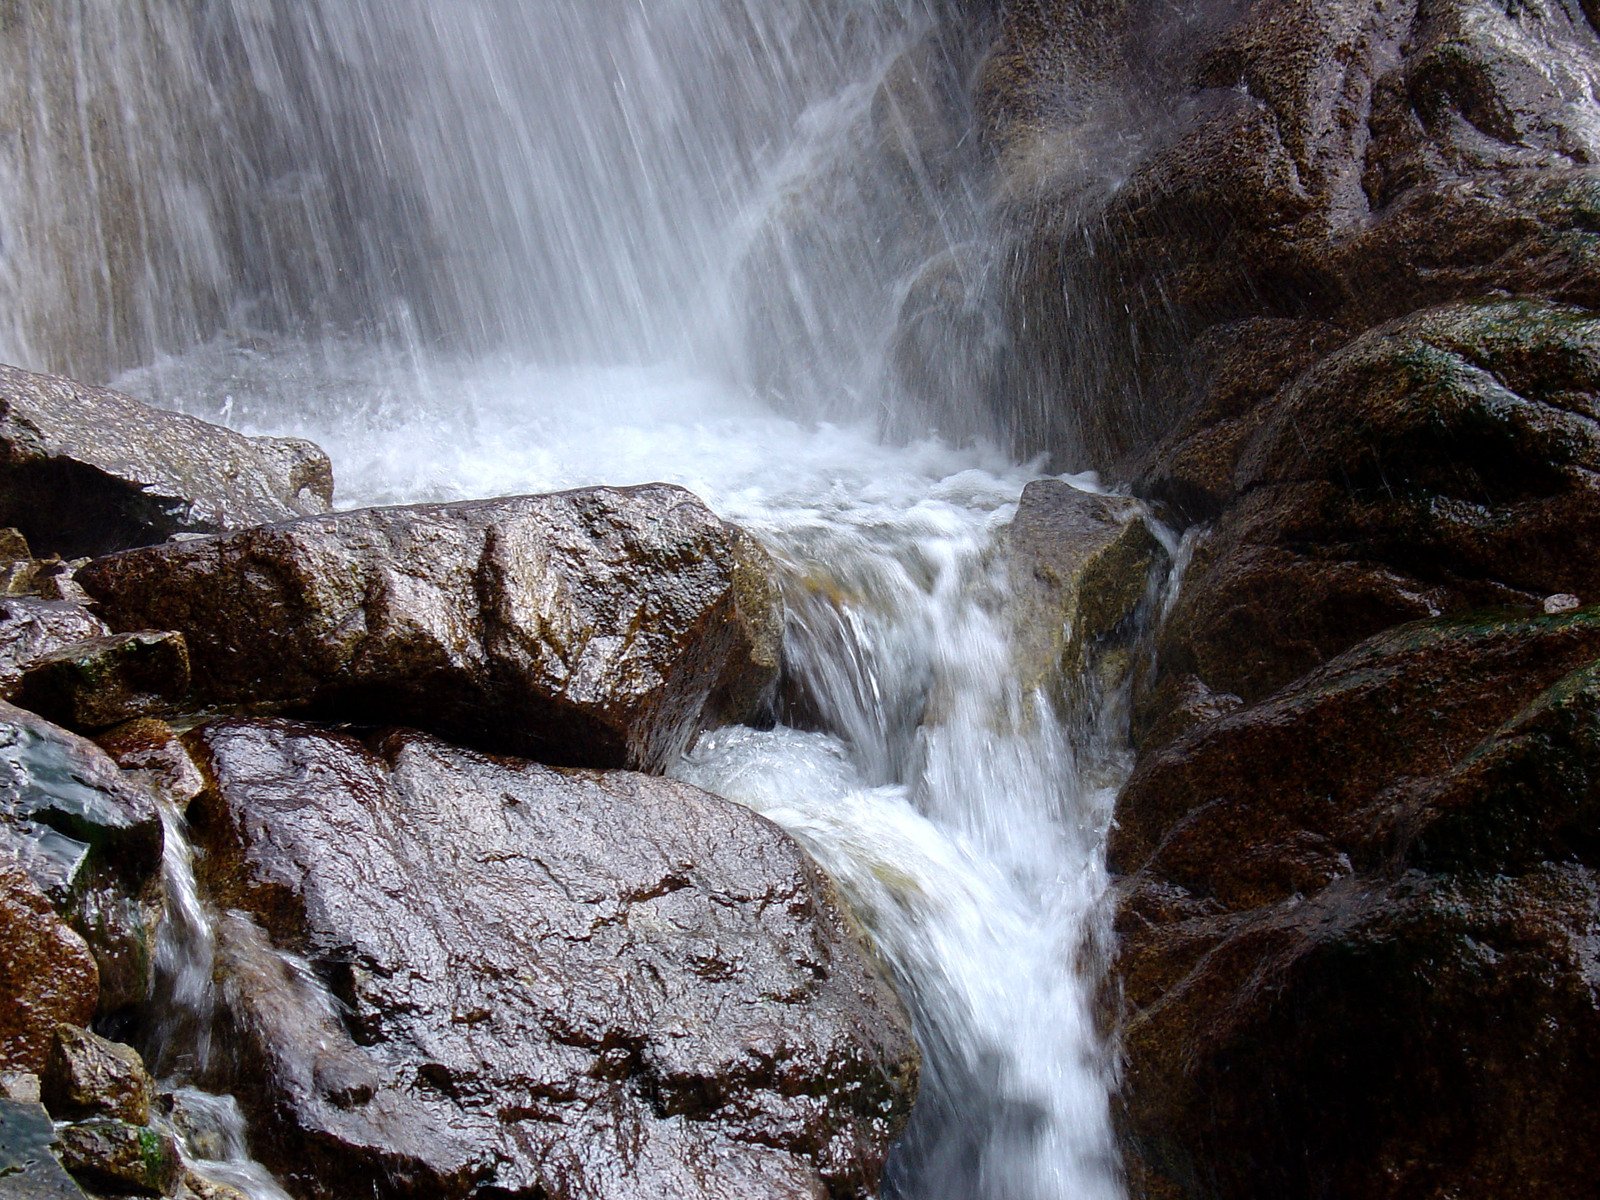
(84, 470)
(592, 627)
(29, 1169)
(1374, 892)
(105, 681)
(88, 1076)
(90, 839)
(548, 983)
(47, 974)
(31, 628)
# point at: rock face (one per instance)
(549, 983)
(86, 471)
(31, 628)
(594, 627)
(1373, 893)
(1323, 276)
(105, 681)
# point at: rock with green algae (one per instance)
(91, 1076)
(121, 1158)
(1373, 891)
(598, 627)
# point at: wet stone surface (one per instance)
(595, 628)
(459, 972)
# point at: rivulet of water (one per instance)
(475, 248)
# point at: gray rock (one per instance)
(593, 627)
(29, 1169)
(31, 628)
(105, 681)
(1078, 566)
(87, 471)
(544, 983)
(89, 1076)
(90, 840)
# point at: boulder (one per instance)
(28, 1164)
(153, 750)
(1078, 566)
(31, 628)
(91, 840)
(125, 1160)
(101, 682)
(1372, 892)
(86, 471)
(593, 627)
(89, 1076)
(447, 973)
(47, 974)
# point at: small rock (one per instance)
(31, 628)
(104, 681)
(29, 1169)
(88, 471)
(1556, 605)
(124, 1159)
(153, 749)
(88, 1076)
(198, 1187)
(47, 974)
(13, 546)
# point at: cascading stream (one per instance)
(477, 249)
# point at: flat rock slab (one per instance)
(587, 628)
(549, 983)
(85, 470)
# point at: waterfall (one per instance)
(477, 248)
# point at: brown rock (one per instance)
(104, 681)
(550, 983)
(84, 470)
(31, 628)
(88, 1076)
(126, 1160)
(590, 627)
(153, 749)
(1370, 894)
(47, 974)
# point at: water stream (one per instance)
(475, 248)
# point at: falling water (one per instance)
(476, 248)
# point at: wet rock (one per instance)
(86, 471)
(1078, 565)
(198, 1187)
(29, 1169)
(88, 1076)
(126, 1160)
(31, 628)
(543, 982)
(90, 839)
(21, 1086)
(47, 974)
(1440, 464)
(153, 749)
(592, 627)
(101, 682)
(1372, 893)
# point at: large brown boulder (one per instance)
(1357, 921)
(47, 975)
(535, 982)
(85, 470)
(597, 627)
